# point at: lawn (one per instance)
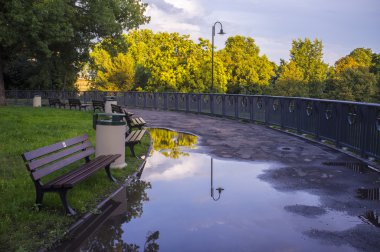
(23, 226)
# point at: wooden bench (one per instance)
(134, 138)
(49, 159)
(77, 103)
(137, 122)
(98, 105)
(56, 102)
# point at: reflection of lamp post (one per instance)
(219, 189)
(221, 32)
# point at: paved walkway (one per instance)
(300, 167)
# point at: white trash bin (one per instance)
(110, 136)
(109, 100)
(37, 101)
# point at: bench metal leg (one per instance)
(39, 197)
(108, 170)
(69, 210)
(132, 148)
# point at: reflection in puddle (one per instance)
(170, 207)
(369, 194)
(371, 218)
(356, 167)
(170, 143)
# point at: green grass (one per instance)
(23, 226)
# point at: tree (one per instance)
(354, 84)
(359, 57)
(55, 36)
(290, 81)
(246, 70)
(113, 73)
(163, 62)
(305, 70)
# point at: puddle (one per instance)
(188, 201)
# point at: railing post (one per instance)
(135, 99)
(176, 101)
(212, 104)
(187, 102)
(299, 114)
(251, 115)
(365, 128)
(236, 103)
(145, 94)
(199, 96)
(282, 113)
(165, 101)
(266, 107)
(224, 105)
(339, 117)
(318, 109)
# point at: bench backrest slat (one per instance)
(116, 108)
(61, 163)
(54, 147)
(34, 164)
(75, 102)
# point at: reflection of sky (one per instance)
(249, 216)
(157, 167)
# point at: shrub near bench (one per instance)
(49, 159)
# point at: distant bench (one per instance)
(98, 105)
(56, 102)
(46, 160)
(77, 103)
(137, 122)
(134, 138)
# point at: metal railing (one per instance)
(352, 125)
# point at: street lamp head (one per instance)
(221, 32)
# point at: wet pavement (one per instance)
(269, 191)
(303, 167)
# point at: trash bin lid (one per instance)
(110, 98)
(111, 119)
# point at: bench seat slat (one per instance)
(71, 178)
(62, 163)
(55, 156)
(135, 136)
(83, 175)
(54, 147)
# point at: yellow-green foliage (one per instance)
(169, 143)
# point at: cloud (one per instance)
(342, 25)
(182, 16)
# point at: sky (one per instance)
(342, 25)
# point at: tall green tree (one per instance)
(247, 71)
(53, 38)
(164, 62)
(354, 84)
(305, 70)
(356, 77)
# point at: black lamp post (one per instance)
(219, 189)
(221, 32)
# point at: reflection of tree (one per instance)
(109, 237)
(169, 143)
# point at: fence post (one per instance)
(282, 113)
(318, 109)
(338, 113)
(266, 107)
(224, 105)
(212, 104)
(365, 128)
(237, 104)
